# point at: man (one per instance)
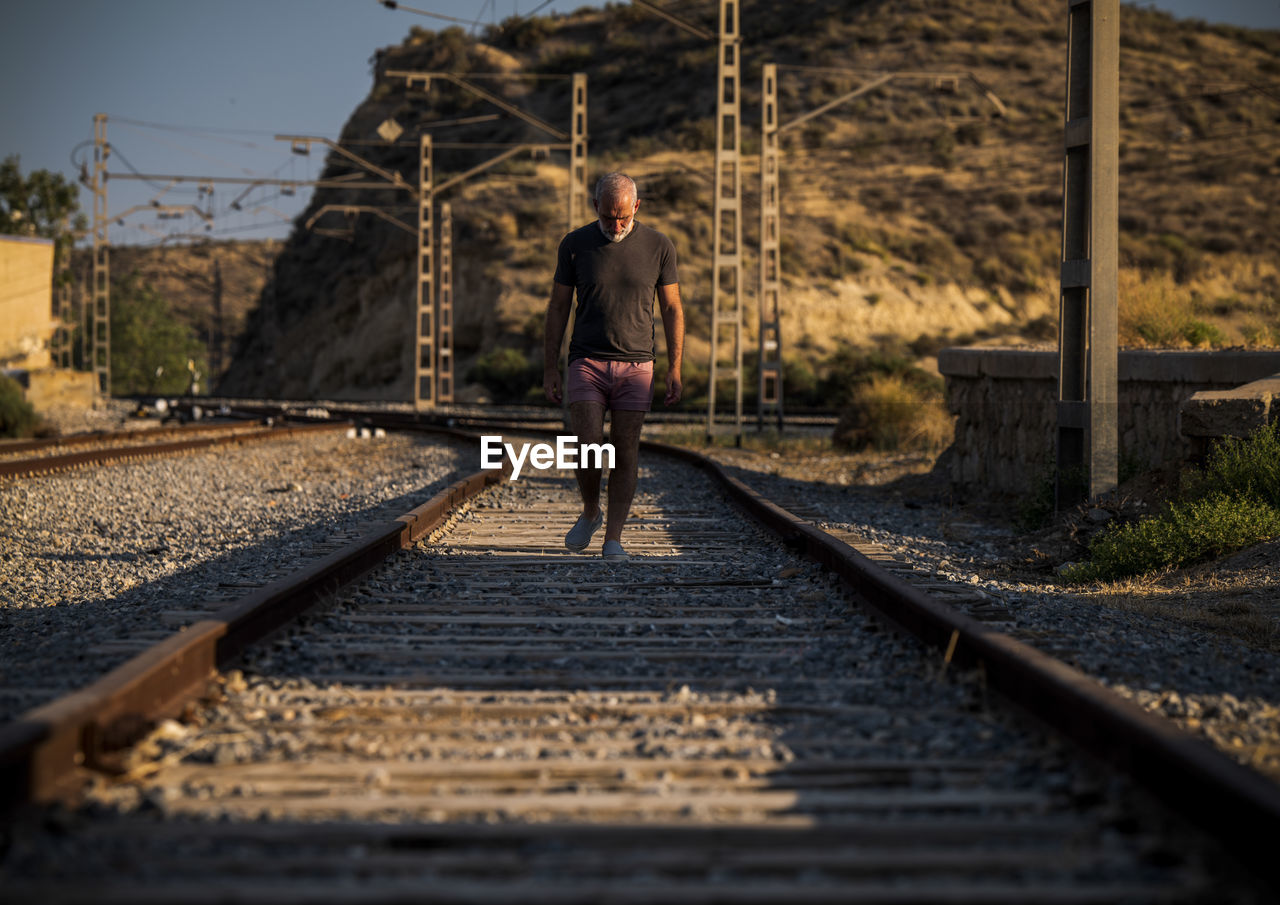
(616, 266)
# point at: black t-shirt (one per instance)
(616, 282)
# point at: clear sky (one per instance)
(223, 76)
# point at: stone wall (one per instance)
(1004, 401)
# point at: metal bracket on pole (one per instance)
(100, 360)
(352, 209)
(426, 77)
(444, 365)
(726, 264)
(1087, 335)
(424, 372)
(770, 339)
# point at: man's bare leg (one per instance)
(587, 422)
(624, 434)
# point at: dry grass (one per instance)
(1228, 610)
(889, 413)
(1156, 311)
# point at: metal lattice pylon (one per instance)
(60, 347)
(770, 340)
(579, 211)
(726, 264)
(100, 294)
(424, 370)
(444, 375)
(1087, 335)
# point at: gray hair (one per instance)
(612, 185)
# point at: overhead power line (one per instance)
(392, 4)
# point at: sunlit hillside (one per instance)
(919, 214)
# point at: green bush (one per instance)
(1246, 469)
(17, 417)
(891, 413)
(1203, 335)
(1230, 504)
(150, 346)
(1184, 534)
(507, 373)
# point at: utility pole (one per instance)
(444, 381)
(434, 361)
(424, 395)
(215, 328)
(770, 339)
(578, 209)
(1087, 334)
(726, 263)
(100, 355)
(60, 347)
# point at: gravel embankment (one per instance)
(1172, 644)
(98, 563)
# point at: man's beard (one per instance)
(620, 236)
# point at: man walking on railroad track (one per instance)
(616, 266)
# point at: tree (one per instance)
(42, 204)
(150, 347)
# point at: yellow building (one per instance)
(26, 302)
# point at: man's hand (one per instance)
(674, 388)
(551, 384)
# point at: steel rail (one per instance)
(106, 455)
(15, 446)
(1235, 804)
(41, 751)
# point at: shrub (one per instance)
(507, 373)
(17, 417)
(1232, 503)
(1185, 533)
(1155, 311)
(150, 346)
(1243, 469)
(892, 413)
(1201, 334)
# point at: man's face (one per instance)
(617, 213)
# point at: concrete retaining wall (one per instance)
(1004, 403)
(26, 307)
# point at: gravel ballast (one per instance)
(98, 563)
(1165, 644)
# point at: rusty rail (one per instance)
(1235, 804)
(41, 751)
(85, 439)
(48, 464)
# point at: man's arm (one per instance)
(553, 336)
(673, 327)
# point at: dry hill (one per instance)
(211, 287)
(913, 216)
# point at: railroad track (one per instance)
(34, 457)
(485, 717)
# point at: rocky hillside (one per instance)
(913, 217)
(203, 283)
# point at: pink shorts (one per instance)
(625, 386)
